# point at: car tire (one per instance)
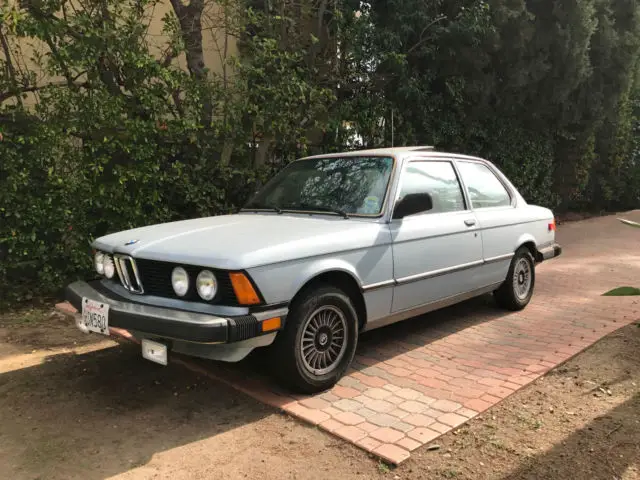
(516, 291)
(318, 342)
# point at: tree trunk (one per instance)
(263, 151)
(227, 151)
(190, 19)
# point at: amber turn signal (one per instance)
(245, 293)
(271, 324)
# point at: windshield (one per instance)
(344, 185)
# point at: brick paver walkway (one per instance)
(413, 381)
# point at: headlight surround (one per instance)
(207, 285)
(98, 262)
(180, 281)
(108, 266)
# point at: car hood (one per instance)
(244, 240)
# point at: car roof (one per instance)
(398, 152)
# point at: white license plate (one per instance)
(154, 351)
(95, 316)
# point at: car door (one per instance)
(436, 252)
(494, 206)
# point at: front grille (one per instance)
(156, 278)
(128, 273)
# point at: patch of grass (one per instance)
(533, 423)
(450, 473)
(25, 317)
(383, 467)
(622, 292)
(500, 444)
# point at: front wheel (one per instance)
(516, 291)
(318, 342)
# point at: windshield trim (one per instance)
(383, 210)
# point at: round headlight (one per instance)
(98, 262)
(180, 281)
(207, 285)
(108, 266)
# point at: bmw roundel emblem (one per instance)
(131, 242)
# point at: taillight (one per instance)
(552, 225)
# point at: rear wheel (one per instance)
(318, 342)
(516, 291)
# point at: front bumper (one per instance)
(174, 324)
(552, 251)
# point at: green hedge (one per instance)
(57, 194)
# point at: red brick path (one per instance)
(413, 381)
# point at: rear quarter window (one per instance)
(484, 187)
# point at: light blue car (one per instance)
(332, 246)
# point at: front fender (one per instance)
(280, 282)
(317, 268)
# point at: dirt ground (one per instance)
(79, 406)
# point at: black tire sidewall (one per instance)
(289, 344)
(520, 254)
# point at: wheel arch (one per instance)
(529, 242)
(340, 278)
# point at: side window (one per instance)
(439, 180)
(485, 190)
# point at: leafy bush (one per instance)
(115, 151)
(56, 196)
(525, 157)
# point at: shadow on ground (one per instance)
(604, 448)
(151, 409)
(54, 423)
(385, 343)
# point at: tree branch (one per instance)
(178, 7)
(7, 54)
(424, 30)
(37, 88)
(169, 55)
(175, 95)
(39, 14)
(317, 33)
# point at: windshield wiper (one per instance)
(318, 208)
(254, 206)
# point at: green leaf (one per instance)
(623, 292)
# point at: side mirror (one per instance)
(413, 203)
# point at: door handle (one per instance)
(470, 222)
